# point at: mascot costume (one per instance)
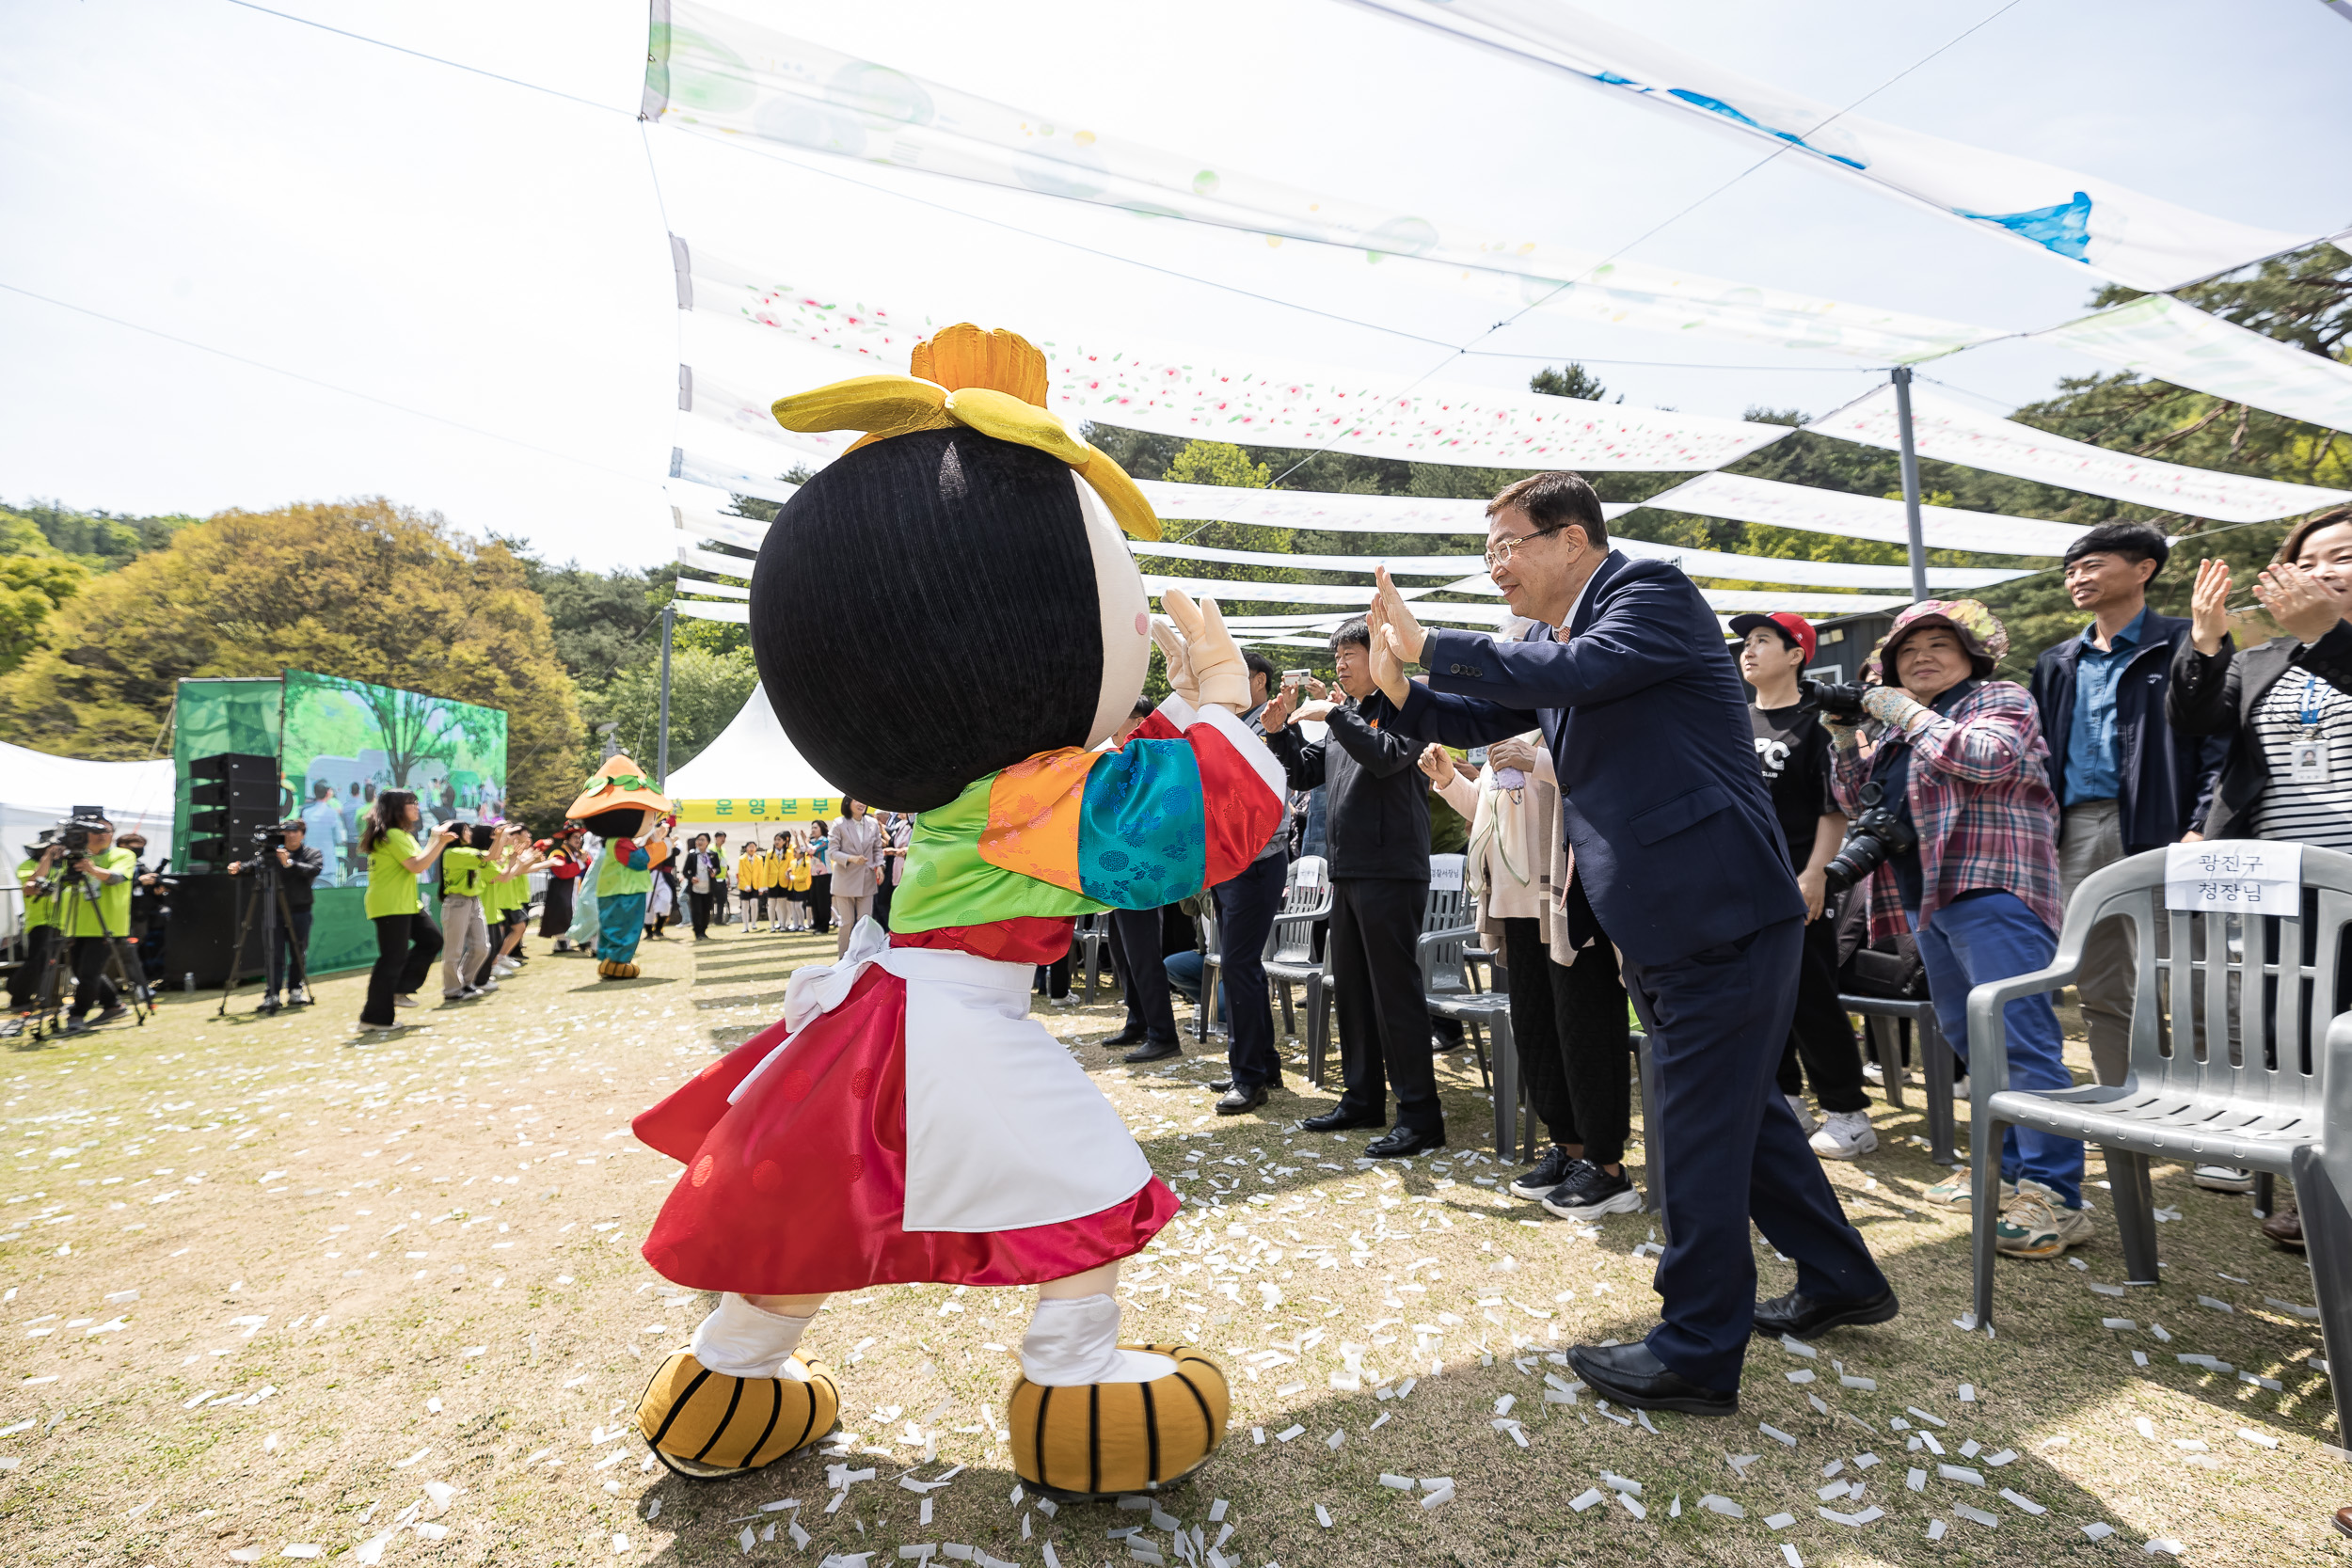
(622, 808)
(907, 1121)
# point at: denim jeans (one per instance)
(1991, 936)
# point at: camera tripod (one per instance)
(268, 897)
(74, 891)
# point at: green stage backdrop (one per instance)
(341, 742)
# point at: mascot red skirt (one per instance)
(905, 1121)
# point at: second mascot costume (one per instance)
(623, 808)
(907, 1121)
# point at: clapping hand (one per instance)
(1438, 762)
(2209, 605)
(1517, 752)
(2304, 606)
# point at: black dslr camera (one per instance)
(1875, 834)
(1839, 700)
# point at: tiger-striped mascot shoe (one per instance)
(706, 1425)
(1099, 1438)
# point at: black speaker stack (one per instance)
(230, 796)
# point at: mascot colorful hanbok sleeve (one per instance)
(622, 808)
(907, 1120)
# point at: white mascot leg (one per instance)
(1074, 1341)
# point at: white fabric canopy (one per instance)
(711, 561)
(1801, 506)
(1951, 432)
(710, 609)
(1735, 600)
(700, 522)
(1226, 395)
(751, 759)
(734, 479)
(715, 73)
(2116, 232)
(1698, 562)
(2158, 336)
(1328, 511)
(721, 590)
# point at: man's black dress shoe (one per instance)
(1338, 1120)
(1125, 1036)
(1631, 1375)
(1220, 1085)
(1150, 1053)
(1240, 1099)
(1403, 1143)
(1800, 1317)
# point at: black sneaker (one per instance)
(1587, 1191)
(1546, 1176)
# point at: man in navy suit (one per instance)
(1678, 864)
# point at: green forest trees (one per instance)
(366, 590)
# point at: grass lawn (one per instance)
(278, 1290)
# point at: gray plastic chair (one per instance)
(2279, 1103)
(1447, 990)
(1289, 955)
(1092, 932)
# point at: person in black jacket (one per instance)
(1378, 848)
(2127, 779)
(298, 867)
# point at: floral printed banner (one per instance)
(2158, 336)
(1191, 390)
(710, 71)
(1800, 506)
(2111, 230)
(1950, 432)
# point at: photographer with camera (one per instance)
(1955, 837)
(42, 935)
(92, 879)
(295, 867)
(1793, 751)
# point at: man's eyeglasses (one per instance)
(1500, 555)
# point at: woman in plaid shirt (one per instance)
(1962, 761)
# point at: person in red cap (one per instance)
(1794, 752)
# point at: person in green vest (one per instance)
(622, 808)
(40, 923)
(466, 935)
(406, 940)
(95, 920)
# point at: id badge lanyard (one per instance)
(2307, 760)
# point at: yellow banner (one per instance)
(805, 808)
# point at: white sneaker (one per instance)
(1960, 1089)
(2223, 1179)
(1804, 1117)
(504, 966)
(1844, 1135)
(1874, 1072)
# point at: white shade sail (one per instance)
(1951, 432)
(2110, 229)
(1800, 506)
(2158, 336)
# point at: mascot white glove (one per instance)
(1204, 664)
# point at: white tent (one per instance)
(37, 790)
(751, 775)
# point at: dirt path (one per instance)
(280, 1292)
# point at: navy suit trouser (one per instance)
(1135, 942)
(1246, 908)
(1725, 1149)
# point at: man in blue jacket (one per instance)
(2126, 782)
(1678, 863)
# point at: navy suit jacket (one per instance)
(1675, 841)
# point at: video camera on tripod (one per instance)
(77, 891)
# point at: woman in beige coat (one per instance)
(1567, 1006)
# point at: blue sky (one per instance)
(493, 258)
